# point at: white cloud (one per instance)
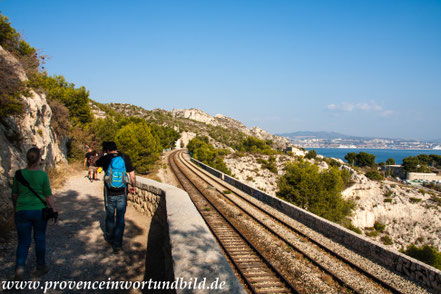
(387, 113)
(370, 106)
(332, 106)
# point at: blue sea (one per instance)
(381, 155)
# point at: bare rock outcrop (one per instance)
(195, 114)
(18, 134)
(278, 141)
(409, 214)
(184, 139)
(230, 123)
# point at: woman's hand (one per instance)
(55, 219)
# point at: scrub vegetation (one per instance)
(427, 254)
(319, 192)
(205, 152)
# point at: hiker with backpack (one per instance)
(90, 159)
(119, 172)
(30, 186)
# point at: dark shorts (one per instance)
(93, 168)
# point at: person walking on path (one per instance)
(28, 212)
(115, 196)
(89, 160)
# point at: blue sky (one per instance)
(367, 68)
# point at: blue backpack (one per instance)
(116, 176)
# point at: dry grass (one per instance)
(59, 174)
(154, 172)
(154, 177)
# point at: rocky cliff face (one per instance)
(410, 215)
(229, 123)
(18, 134)
(278, 141)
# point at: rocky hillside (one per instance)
(224, 131)
(19, 133)
(232, 124)
(387, 212)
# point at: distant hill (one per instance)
(225, 131)
(320, 135)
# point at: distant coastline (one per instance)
(336, 140)
(381, 154)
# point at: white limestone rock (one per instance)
(18, 134)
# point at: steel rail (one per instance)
(249, 283)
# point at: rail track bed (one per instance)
(255, 270)
(302, 258)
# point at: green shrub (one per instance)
(372, 233)
(374, 175)
(332, 162)
(318, 192)
(388, 200)
(354, 229)
(421, 163)
(361, 159)
(388, 193)
(426, 254)
(311, 154)
(12, 41)
(346, 177)
(379, 227)
(436, 199)
(255, 145)
(205, 152)
(414, 200)
(59, 120)
(137, 141)
(57, 88)
(269, 164)
(390, 161)
(386, 240)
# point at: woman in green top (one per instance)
(28, 214)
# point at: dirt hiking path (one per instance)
(75, 247)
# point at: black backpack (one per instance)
(93, 159)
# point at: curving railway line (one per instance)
(259, 275)
(256, 271)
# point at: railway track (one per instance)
(359, 281)
(259, 275)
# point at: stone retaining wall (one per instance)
(409, 267)
(149, 200)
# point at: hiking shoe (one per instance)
(108, 240)
(41, 270)
(19, 274)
